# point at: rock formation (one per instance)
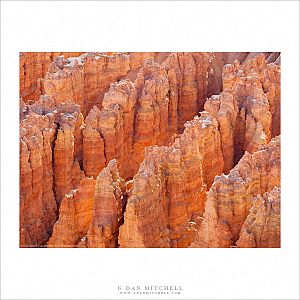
(145, 149)
(188, 75)
(168, 193)
(262, 226)
(107, 210)
(140, 114)
(86, 78)
(75, 214)
(63, 159)
(33, 67)
(247, 107)
(37, 203)
(220, 59)
(230, 198)
(48, 165)
(90, 215)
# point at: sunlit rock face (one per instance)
(233, 200)
(261, 228)
(167, 196)
(149, 149)
(33, 67)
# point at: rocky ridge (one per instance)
(110, 158)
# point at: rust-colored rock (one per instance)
(225, 109)
(107, 210)
(90, 216)
(75, 214)
(215, 83)
(93, 151)
(168, 193)
(230, 198)
(151, 118)
(245, 109)
(188, 73)
(133, 117)
(271, 84)
(37, 202)
(140, 115)
(170, 124)
(262, 226)
(65, 80)
(124, 95)
(66, 147)
(84, 79)
(33, 67)
(63, 154)
(137, 59)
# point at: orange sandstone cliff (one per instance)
(145, 149)
(33, 67)
(168, 192)
(37, 202)
(75, 214)
(261, 228)
(231, 198)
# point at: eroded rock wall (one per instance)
(144, 113)
(107, 210)
(86, 78)
(75, 215)
(168, 193)
(220, 59)
(37, 202)
(247, 108)
(107, 116)
(261, 229)
(33, 67)
(90, 215)
(231, 196)
(188, 75)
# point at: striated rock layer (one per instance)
(90, 215)
(107, 210)
(220, 59)
(188, 75)
(144, 113)
(75, 214)
(33, 67)
(48, 166)
(86, 78)
(134, 116)
(231, 196)
(89, 120)
(67, 172)
(37, 203)
(248, 108)
(262, 226)
(168, 193)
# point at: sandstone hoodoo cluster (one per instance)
(149, 149)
